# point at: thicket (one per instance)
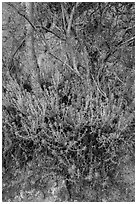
(80, 125)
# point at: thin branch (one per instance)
(50, 31)
(127, 41)
(71, 50)
(21, 14)
(33, 26)
(20, 45)
(120, 45)
(63, 16)
(64, 63)
(23, 41)
(70, 20)
(99, 89)
(66, 15)
(119, 78)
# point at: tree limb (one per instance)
(120, 45)
(71, 20)
(20, 45)
(63, 16)
(23, 41)
(50, 31)
(21, 14)
(33, 26)
(64, 64)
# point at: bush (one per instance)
(81, 131)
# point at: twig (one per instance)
(11, 60)
(70, 21)
(18, 47)
(21, 14)
(64, 63)
(119, 78)
(96, 83)
(120, 44)
(127, 41)
(63, 16)
(50, 31)
(33, 26)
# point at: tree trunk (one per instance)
(31, 61)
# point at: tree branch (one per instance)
(65, 64)
(21, 14)
(63, 16)
(23, 41)
(120, 45)
(33, 26)
(20, 45)
(50, 31)
(71, 20)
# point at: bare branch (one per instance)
(98, 87)
(64, 64)
(50, 31)
(120, 45)
(127, 41)
(33, 26)
(71, 20)
(20, 45)
(63, 16)
(21, 14)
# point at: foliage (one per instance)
(84, 123)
